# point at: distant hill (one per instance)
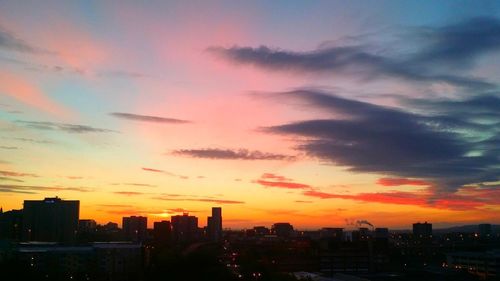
(470, 228)
(465, 228)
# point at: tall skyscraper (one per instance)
(135, 228)
(184, 228)
(214, 225)
(51, 220)
(422, 230)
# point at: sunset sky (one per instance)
(319, 113)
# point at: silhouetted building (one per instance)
(335, 233)
(214, 225)
(484, 229)
(362, 234)
(87, 226)
(51, 220)
(381, 233)
(422, 230)
(95, 261)
(483, 264)
(282, 229)
(135, 228)
(261, 230)
(162, 232)
(184, 228)
(11, 224)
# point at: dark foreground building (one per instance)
(95, 261)
(50, 220)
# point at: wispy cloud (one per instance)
(9, 147)
(165, 173)
(176, 197)
(148, 118)
(10, 179)
(467, 199)
(69, 128)
(232, 154)
(128, 193)
(11, 42)
(273, 180)
(17, 174)
(32, 189)
(442, 53)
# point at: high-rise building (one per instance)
(162, 232)
(214, 225)
(282, 229)
(422, 230)
(135, 228)
(184, 228)
(50, 220)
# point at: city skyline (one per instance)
(316, 113)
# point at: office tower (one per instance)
(184, 228)
(50, 220)
(162, 232)
(214, 225)
(422, 230)
(135, 228)
(282, 229)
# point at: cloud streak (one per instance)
(230, 154)
(148, 118)
(273, 180)
(440, 52)
(197, 199)
(467, 199)
(11, 42)
(65, 127)
(33, 189)
(449, 150)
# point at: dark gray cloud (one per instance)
(11, 42)
(70, 128)
(461, 43)
(230, 154)
(446, 149)
(148, 118)
(438, 54)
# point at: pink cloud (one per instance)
(26, 92)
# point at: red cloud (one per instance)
(401, 181)
(272, 180)
(465, 199)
